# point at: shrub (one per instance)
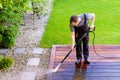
(11, 12)
(6, 63)
(0, 39)
(9, 35)
(1, 57)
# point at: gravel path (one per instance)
(29, 38)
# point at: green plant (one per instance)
(0, 39)
(9, 36)
(11, 12)
(6, 63)
(40, 6)
(1, 57)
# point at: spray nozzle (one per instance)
(91, 29)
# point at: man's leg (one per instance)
(86, 49)
(78, 54)
(78, 50)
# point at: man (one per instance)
(78, 27)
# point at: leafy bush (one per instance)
(11, 12)
(1, 57)
(0, 39)
(40, 6)
(6, 63)
(9, 36)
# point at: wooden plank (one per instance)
(92, 70)
(92, 52)
(85, 78)
(51, 64)
(87, 74)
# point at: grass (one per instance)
(107, 21)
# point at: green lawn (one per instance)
(107, 21)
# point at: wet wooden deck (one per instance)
(99, 69)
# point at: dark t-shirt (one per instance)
(88, 16)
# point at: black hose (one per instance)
(93, 42)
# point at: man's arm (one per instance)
(92, 20)
(73, 39)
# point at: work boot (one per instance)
(78, 63)
(86, 61)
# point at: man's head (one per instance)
(74, 20)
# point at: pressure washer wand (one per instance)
(69, 53)
(74, 47)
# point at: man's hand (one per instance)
(72, 47)
(92, 28)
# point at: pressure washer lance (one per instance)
(69, 53)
